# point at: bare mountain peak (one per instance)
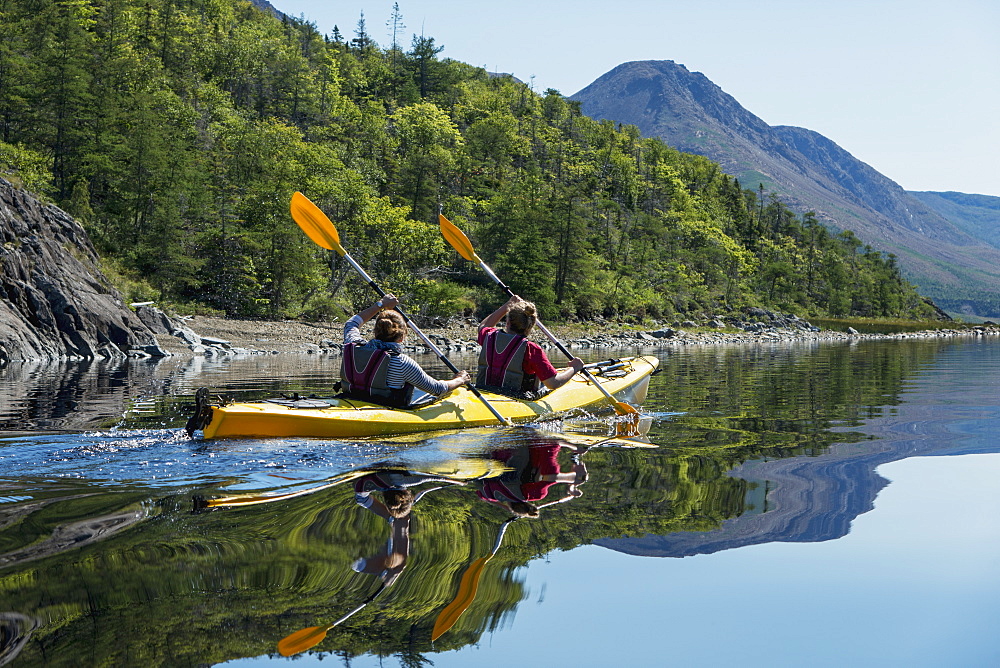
(266, 6)
(666, 99)
(807, 170)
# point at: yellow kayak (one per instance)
(627, 379)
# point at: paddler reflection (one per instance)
(396, 503)
(533, 469)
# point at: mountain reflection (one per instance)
(418, 544)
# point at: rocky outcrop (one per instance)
(54, 301)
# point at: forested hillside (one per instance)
(176, 131)
(809, 172)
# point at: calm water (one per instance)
(795, 505)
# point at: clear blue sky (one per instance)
(911, 87)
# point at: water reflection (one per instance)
(15, 631)
(395, 505)
(137, 546)
(143, 393)
(816, 498)
(382, 551)
(38, 396)
(513, 470)
(533, 469)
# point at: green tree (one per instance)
(428, 141)
(423, 52)
(178, 130)
(63, 91)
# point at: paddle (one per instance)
(254, 499)
(303, 639)
(469, 584)
(461, 243)
(467, 589)
(321, 230)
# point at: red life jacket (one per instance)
(364, 374)
(523, 482)
(501, 364)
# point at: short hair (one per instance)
(521, 317)
(390, 326)
(523, 509)
(398, 502)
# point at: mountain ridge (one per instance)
(977, 215)
(809, 171)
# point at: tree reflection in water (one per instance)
(170, 586)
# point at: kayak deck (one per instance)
(626, 378)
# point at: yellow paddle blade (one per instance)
(315, 224)
(623, 408)
(632, 425)
(467, 589)
(302, 640)
(457, 239)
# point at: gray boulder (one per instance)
(54, 301)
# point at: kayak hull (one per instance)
(627, 380)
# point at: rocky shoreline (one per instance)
(209, 336)
(56, 304)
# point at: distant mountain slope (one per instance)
(977, 215)
(267, 7)
(810, 172)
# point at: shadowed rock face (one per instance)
(54, 301)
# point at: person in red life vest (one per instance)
(508, 361)
(377, 370)
(533, 470)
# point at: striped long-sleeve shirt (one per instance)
(402, 369)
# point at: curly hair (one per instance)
(390, 326)
(521, 317)
(398, 502)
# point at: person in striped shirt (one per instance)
(377, 370)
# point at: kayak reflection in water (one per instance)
(533, 470)
(395, 505)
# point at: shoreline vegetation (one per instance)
(215, 336)
(178, 141)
